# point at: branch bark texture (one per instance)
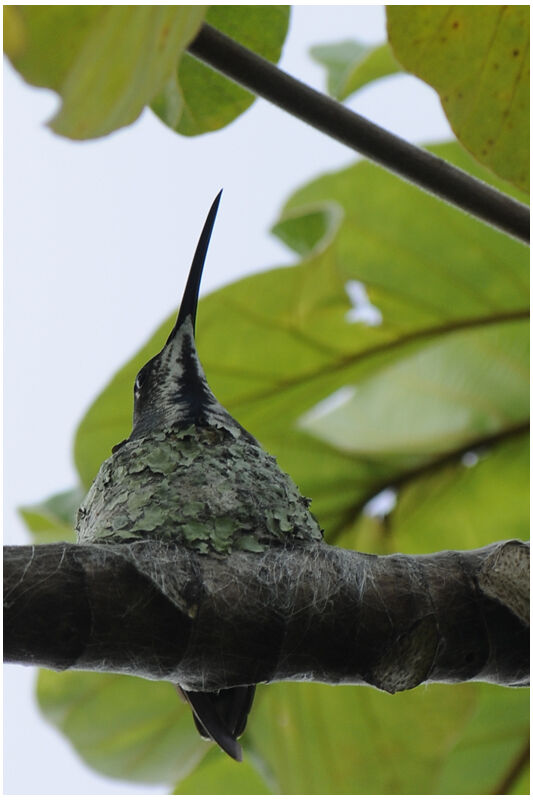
(332, 118)
(308, 613)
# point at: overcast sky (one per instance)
(98, 238)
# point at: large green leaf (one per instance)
(485, 491)
(453, 503)
(200, 99)
(109, 62)
(464, 386)
(518, 779)
(477, 58)
(124, 727)
(217, 774)
(351, 65)
(353, 740)
(43, 42)
(491, 755)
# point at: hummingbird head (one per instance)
(171, 389)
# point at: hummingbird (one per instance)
(190, 473)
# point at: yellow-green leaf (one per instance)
(218, 774)
(125, 727)
(455, 503)
(354, 740)
(318, 739)
(492, 754)
(465, 386)
(480, 498)
(14, 33)
(54, 519)
(477, 58)
(351, 65)
(106, 62)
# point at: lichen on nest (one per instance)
(212, 489)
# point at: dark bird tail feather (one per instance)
(221, 716)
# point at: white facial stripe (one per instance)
(170, 374)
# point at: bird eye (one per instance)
(138, 385)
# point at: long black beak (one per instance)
(189, 301)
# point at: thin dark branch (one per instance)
(409, 162)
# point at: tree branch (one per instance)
(409, 162)
(312, 612)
